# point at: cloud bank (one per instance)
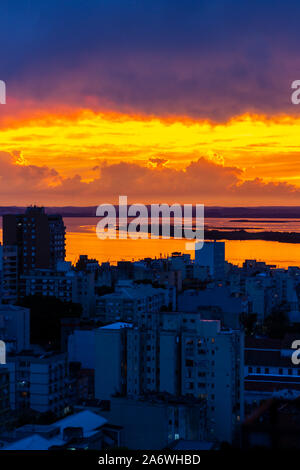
(203, 181)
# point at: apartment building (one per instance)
(39, 381)
(215, 303)
(15, 327)
(110, 360)
(130, 300)
(191, 357)
(65, 284)
(39, 237)
(171, 418)
(10, 274)
(30, 240)
(269, 370)
(4, 397)
(178, 354)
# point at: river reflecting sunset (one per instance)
(82, 239)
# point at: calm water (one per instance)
(81, 239)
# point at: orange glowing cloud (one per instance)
(249, 158)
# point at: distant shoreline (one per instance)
(241, 235)
(261, 221)
(239, 214)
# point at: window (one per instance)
(189, 363)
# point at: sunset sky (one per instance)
(163, 101)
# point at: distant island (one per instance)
(283, 237)
(261, 221)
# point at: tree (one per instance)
(249, 322)
(276, 325)
(45, 318)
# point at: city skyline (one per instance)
(149, 230)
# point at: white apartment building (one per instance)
(110, 360)
(188, 356)
(15, 327)
(177, 354)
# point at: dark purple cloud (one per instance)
(204, 58)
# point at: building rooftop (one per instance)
(220, 297)
(87, 420)
(133, 291)
(33, 442)
(182, 444)
(116, 326)
(36, 354)
(11, 308)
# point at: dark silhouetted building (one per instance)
(4, 397)
(274, 425)
(30, 240)
(39, 237)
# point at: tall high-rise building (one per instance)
(10, 274)
(36, 239)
